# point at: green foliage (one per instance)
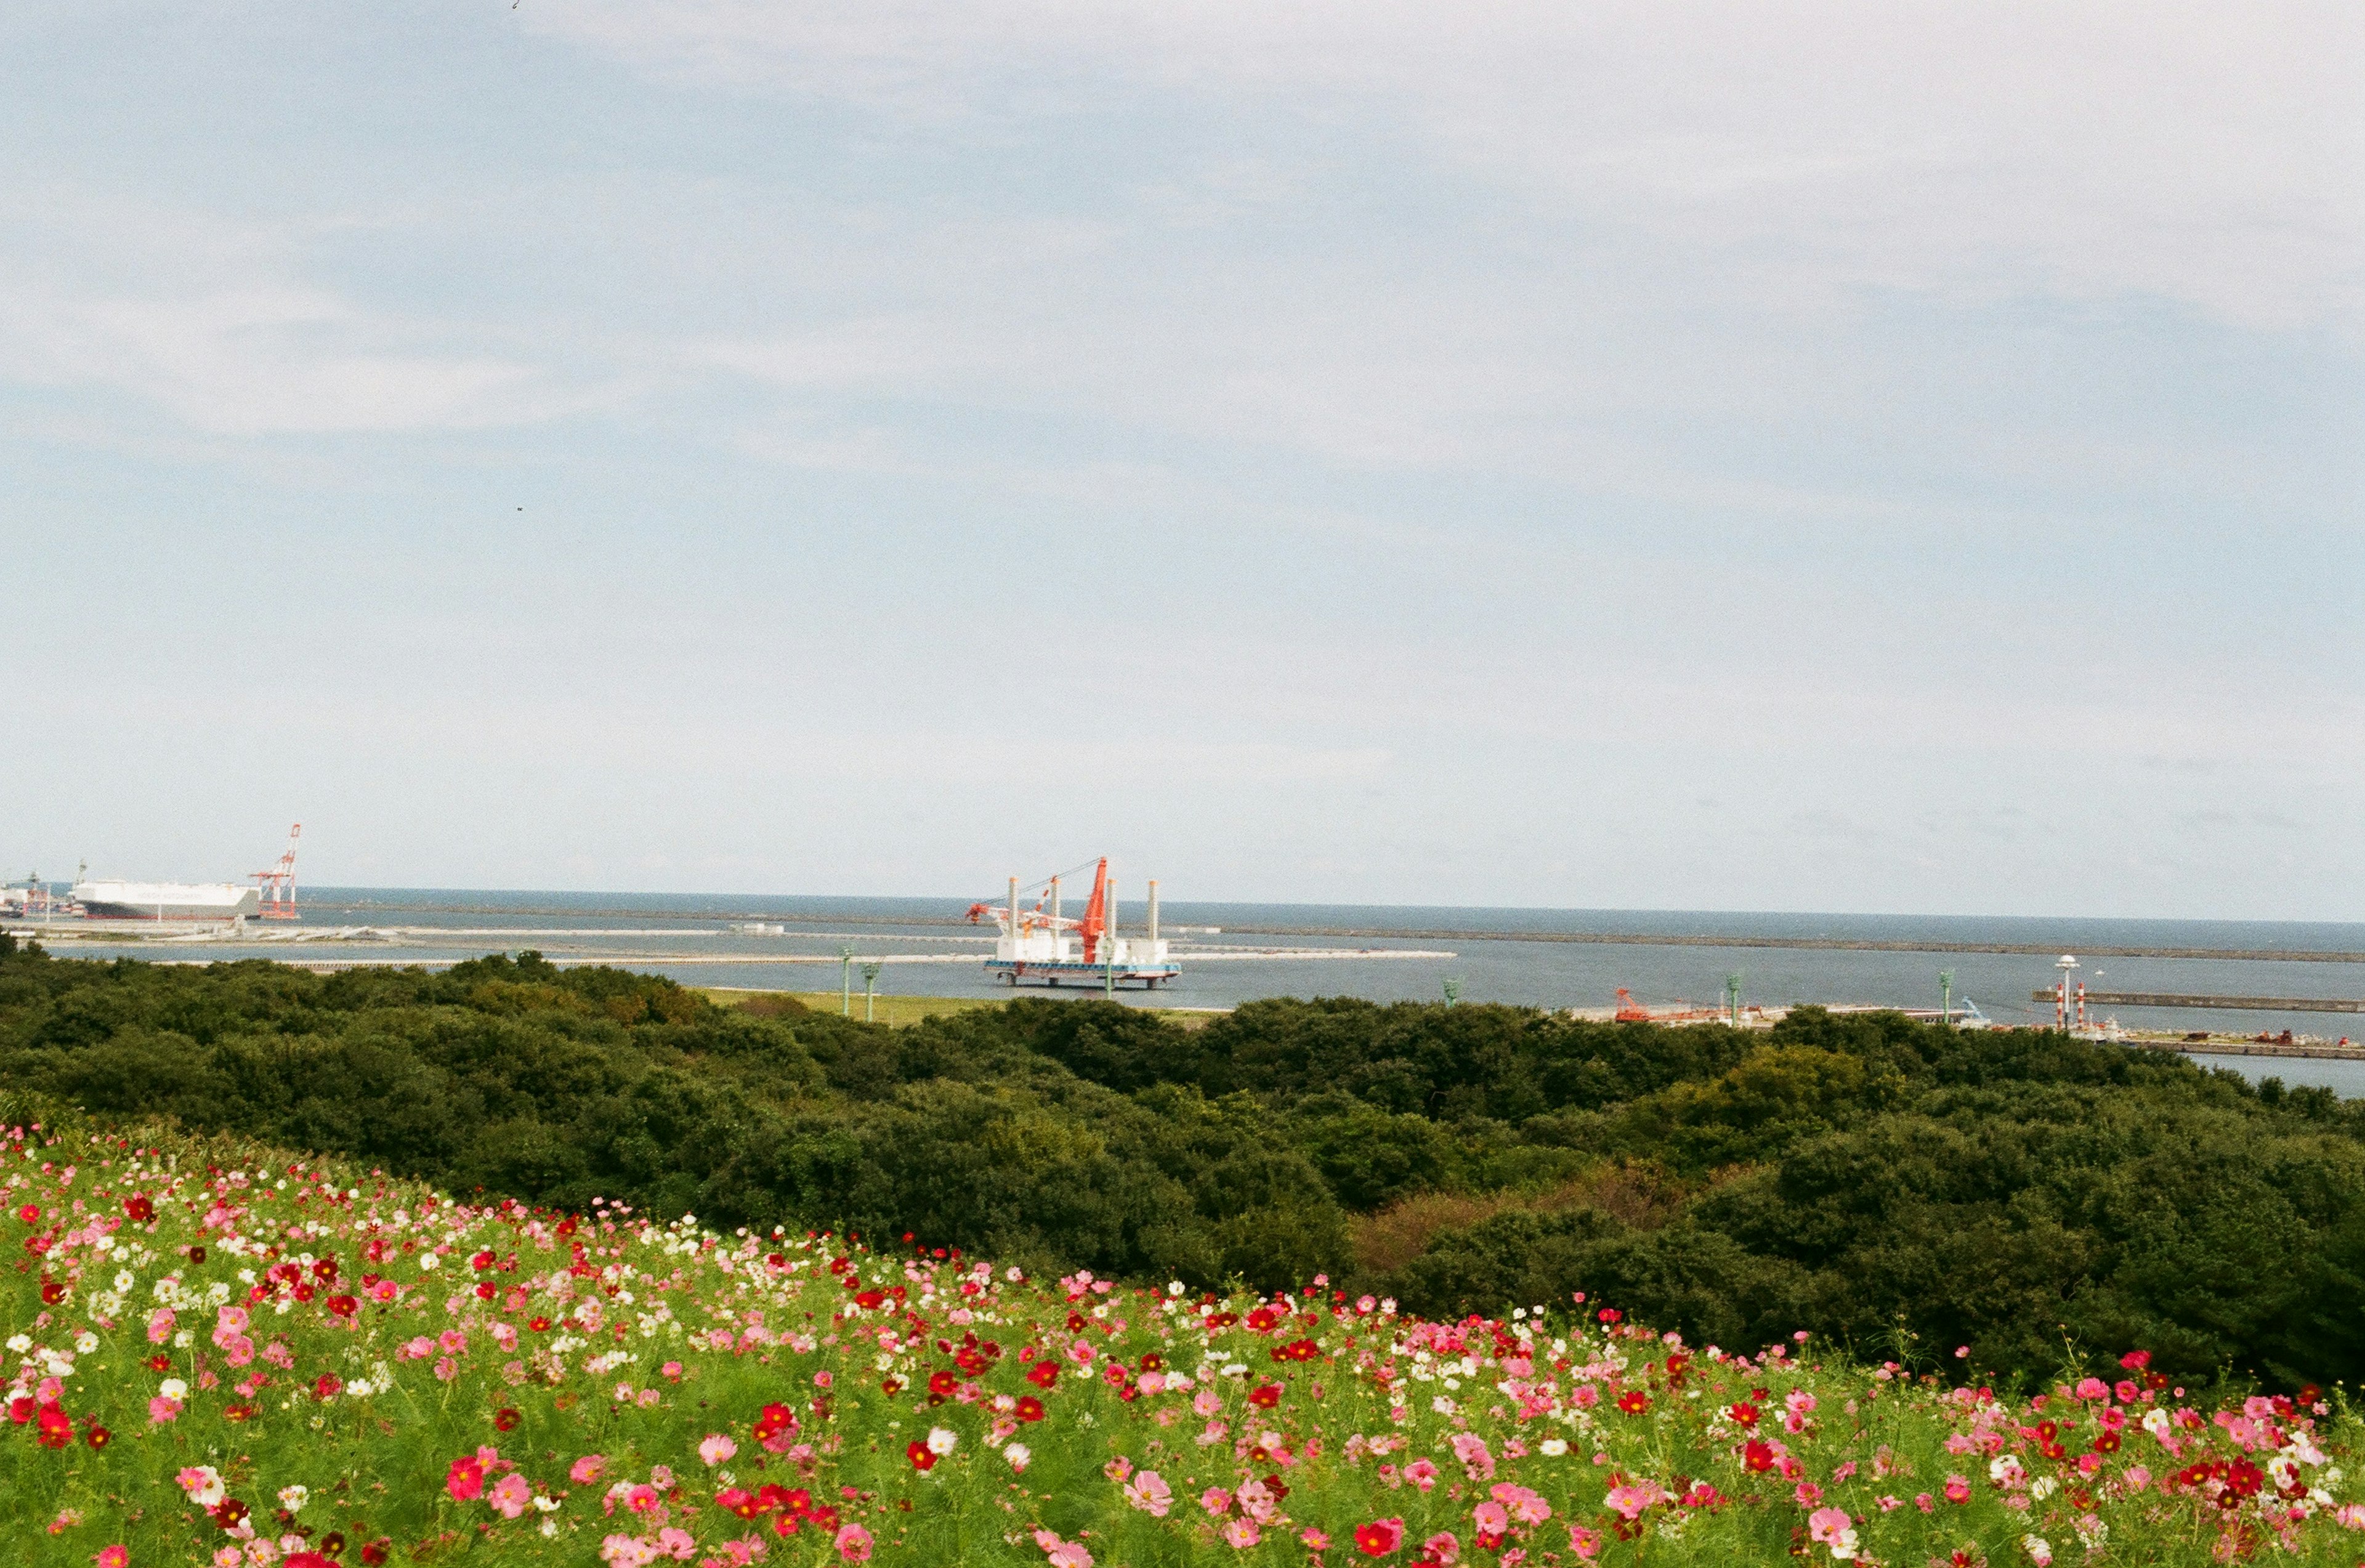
(1996, 1191)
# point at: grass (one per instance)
(902, 1011)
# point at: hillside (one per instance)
(225, 1354)
(1883, 1185)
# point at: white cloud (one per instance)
(2196, 154)
(217, 321)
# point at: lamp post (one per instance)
(869, 993)
(1452, 990)
(1945, 996)
(844, 981)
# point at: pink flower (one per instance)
(1834, 1528)
(677, 1543)
(160, 1324)
(1442, 1547)
(1216, 1500)
(1314, 1540)
(1062, 1554)
(716, 1449)
(1240, 1535)
(1629, 1501)
(588, 1469)
(113, 1557)
(512, 1494)
(1808, 1493)
(1491, 1518)
(161, 1409)
(1421, 1473)
(1957, 1489)
(1528, 1507)
(1585, 1543)
(1118, 1468)
(1149, 1491)
(1470, 1450)
(853, 1543)
(2137, 1478)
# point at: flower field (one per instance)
(223, 1356)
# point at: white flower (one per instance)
(173, 1389)
(293, 1498)
(1017, 1454)
(1236, 1370)
(2044, 1487)
(123, 1281)
(2005, 1470)
(942, 1440)
(1554, 1447)
(2039, 1549)
(1173, 1287)
(19, 1343)
(426, 1261)
(1442, 1405)
(359, 1389)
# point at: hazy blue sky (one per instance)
(1826, 456)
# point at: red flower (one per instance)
(1746, 1414)
(538, 1325)
(56, 1427)
(2135, 1360)
(1379, 1538)
(1265, 1395)
(343, 1305)
(1757, 1456)
(52, 1293)
(920, 1455)
(1633, 1402)
(238, 1412)
(228, 1513)
(1029, 1408)
(941, 1383)
(97, 1435)
(30, 1213)
(375, 1552)
(138, 1209)
(1609, 1315)
(505, 1420)
(327, 1386)
(306, 1560)
(890, 1386)
(160, 1361)
(466, 1479)
(1043, 1374)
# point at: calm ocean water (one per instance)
(684, 936)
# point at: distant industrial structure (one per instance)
(1039, 945)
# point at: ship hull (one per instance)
(166, 900)
(1075, 972)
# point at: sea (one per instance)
(1547, 957)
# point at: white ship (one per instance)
(1041, 946)
(166, 900)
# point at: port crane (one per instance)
(278, 885)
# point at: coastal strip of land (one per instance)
(1593, 938)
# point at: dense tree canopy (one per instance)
(1864, 1177)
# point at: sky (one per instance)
(1832, 456)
